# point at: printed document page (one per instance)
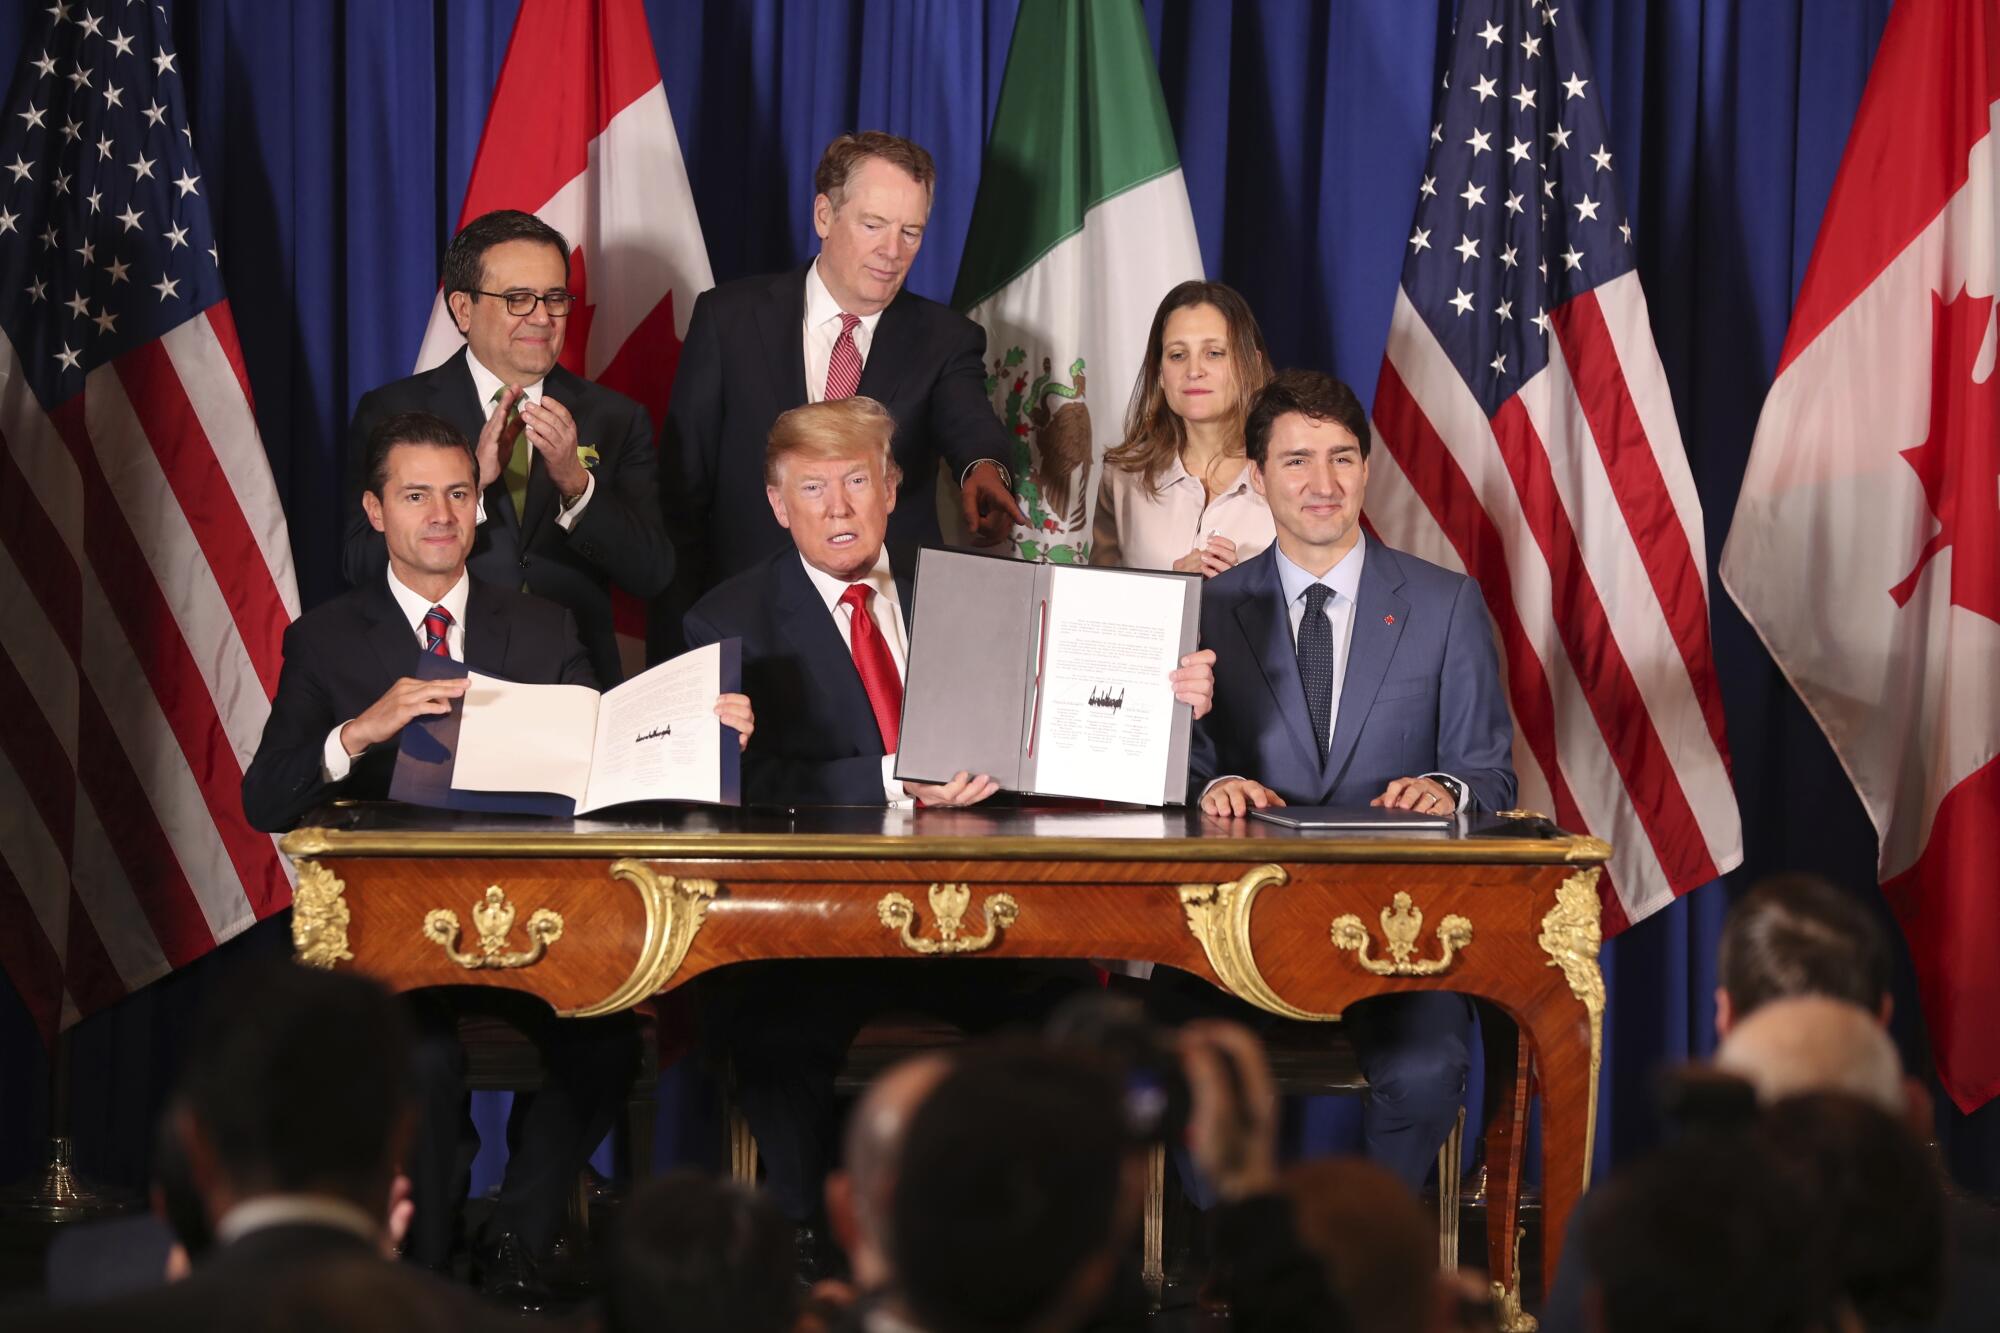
(525, 737)
(1106, 708)
(657, 735)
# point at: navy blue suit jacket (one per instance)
(1422, 692)
(816, 741)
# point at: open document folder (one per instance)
(1050, 679)
(568, 750)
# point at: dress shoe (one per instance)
(508, 1274)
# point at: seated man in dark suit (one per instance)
(568, 486)
(1351, 674)
(344, 696)
(825, 628)
(295, 1111)
(840, 325)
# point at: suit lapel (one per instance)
(390, 636)
(891, 350)
(1380, 612)
(486, 630)
(781, 318)
(805, 624)
(1266, 624)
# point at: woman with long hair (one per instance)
(1177, 494)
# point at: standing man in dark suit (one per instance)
(294, 1111)
(568, 482)
(346, 692)
(840, 325)
(825, 628)
(1351, 674)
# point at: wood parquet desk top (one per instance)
(595, 916)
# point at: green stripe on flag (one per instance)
(1080, 119)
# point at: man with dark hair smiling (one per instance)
(345, 693)
(568, 488)
(1350, 674)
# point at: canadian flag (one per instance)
(580, 135)
(1866, 543)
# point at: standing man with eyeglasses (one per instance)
(569, 492)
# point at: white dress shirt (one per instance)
(335, 762)
(1149, 527)
(285, 1210)
(886, 609)
(822, 331)
(488, 386)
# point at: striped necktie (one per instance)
(843, 368)
(437, 629)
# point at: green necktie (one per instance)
(518, 460)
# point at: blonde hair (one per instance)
(1154, 433)
(842, 428)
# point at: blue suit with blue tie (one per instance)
(1417, 693)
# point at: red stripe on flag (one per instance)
(208, 502)
(1442, 486)
(1945, 905)
(27, 956)
(155, 638)
(1608, 685)
(1928, 101)
(1643, 497)
(222, 322)
(92, 979)
(537, 136)
(40, 554)
(37, 754)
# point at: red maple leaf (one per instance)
(1959, 461)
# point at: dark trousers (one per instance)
(1414, 1049)
(782, 1029)
(551, 1132)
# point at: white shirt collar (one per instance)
(487, 385)
(821, 307)
(831, 589)
(279, 1210)
(1344, 578)
(416, 607)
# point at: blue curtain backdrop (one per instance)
(337, 137)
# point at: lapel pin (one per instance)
(1388, 620)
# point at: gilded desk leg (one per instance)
(1153, 1269)
(1451, 1165)
(1509, 1088)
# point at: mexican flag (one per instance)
(1081, 226)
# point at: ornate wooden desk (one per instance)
(596, 916)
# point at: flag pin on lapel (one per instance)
(1388, 620)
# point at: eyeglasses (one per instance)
(523, 303)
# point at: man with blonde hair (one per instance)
(840, 325)
(825, 633)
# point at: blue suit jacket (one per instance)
(1421, 695)
(816, 741)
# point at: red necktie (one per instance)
(877, 668)
(843, 368)
(437, 624)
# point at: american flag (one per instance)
(1530, 441)
(145, 572)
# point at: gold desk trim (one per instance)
(493, 917)
(1572, 936)
(948, 907)
(319, 917)
(1402, 922)
(315, 841)
(1218, 915)
(675, 911)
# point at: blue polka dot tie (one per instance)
(1316, 663)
